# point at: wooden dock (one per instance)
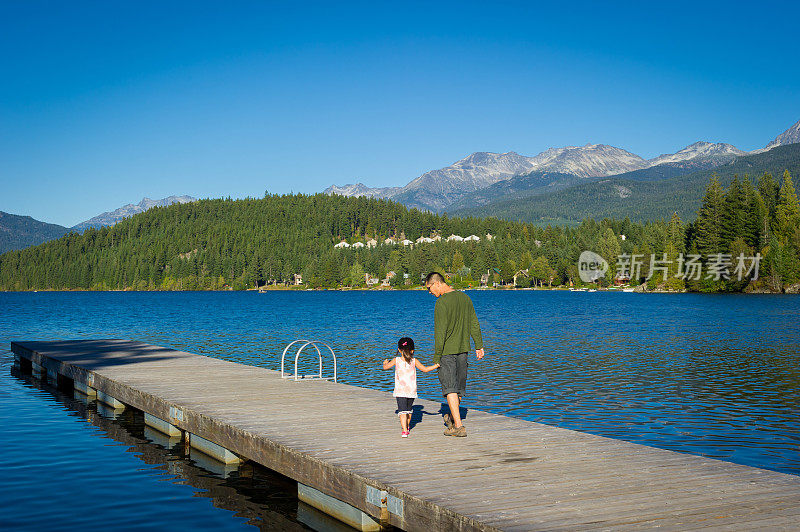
(343, 441)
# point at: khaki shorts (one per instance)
(453, 374)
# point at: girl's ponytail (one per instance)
(406, 346)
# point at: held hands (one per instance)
(426, 369)
(430, 368)
(479, 353)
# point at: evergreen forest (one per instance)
(218, 244)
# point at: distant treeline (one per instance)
(239, 244)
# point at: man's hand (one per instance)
(479, 353)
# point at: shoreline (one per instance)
(791, 290)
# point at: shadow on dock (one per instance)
(110, 352)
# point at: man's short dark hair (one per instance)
(434, 277)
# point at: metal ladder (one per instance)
(305, 343)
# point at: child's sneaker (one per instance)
(404, 434)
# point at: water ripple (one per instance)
(715, 375)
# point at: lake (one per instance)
(709, 374)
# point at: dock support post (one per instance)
(52, 376)
(110, 401)
(212, 449)
(108, 412)
(336, 508)
(156, 436)
(161, 425)
(84, 389)
(210, 463)
(37, 370)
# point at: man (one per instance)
(454, 322)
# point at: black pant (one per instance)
(404, 405)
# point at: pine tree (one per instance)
(457, 262)
(709, 224)
(734, 213)
(675, 233)
(787, 210)
(768, 189)
(753, 206)
(609, 248)
(357, 276)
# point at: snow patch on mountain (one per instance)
(437, 189)
(126, 211)
(790, 136)
(591, 160)
(362, 190)
(716, 152)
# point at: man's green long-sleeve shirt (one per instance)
(454, 321)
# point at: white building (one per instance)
(472, 238)
(371, 243)
(489, 236)
(407, 242)
(358, 245)
(389, 241)
(342, 244)
(424, 240)
(455, 238)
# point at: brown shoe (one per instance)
(448, 420)
(460, 432)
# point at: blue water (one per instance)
(715, 375)
(65, 467)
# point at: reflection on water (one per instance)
(115, 493)
(715, 375)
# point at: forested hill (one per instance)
(217, 244)
(18, 232)
(214, 243)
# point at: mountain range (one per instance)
(449, 189)
(18, 232)
(629, 194)
(126, 211)
(559, 185)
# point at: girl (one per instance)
(405, 380)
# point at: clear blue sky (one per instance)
(102, 103)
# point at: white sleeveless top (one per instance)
(405, 378)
